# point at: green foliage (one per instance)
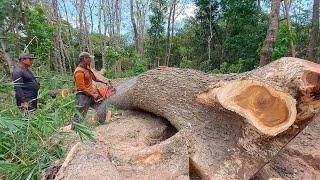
(131, 64)
(185, 63)
(247, 27)
(139, 67)
(39, 27)
(282, 47)
(241, 66)
(155, 45)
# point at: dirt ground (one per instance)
(130, 146)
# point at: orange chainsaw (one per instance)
(106, 90)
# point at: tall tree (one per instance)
(101, 13)
(138, 11)
(69, 33)
(81, 24)
(88, 41)
(156, 31)
(206, 16)
(288, 19)
(314, 33)
(170, 29)
(134, 25)
(243, 32)
(59, 50)
(118, 22)
(6, 26)
(269, 42)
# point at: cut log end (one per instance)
(259, 102)
(62, 92)
(267, 109)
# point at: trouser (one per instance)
(83, 103)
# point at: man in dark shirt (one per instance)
(26, 87)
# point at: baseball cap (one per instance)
(84, 55)
(26, 56)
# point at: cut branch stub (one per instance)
(267, 109)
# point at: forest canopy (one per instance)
(130, 37)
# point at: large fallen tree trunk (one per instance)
(300, 159)
(233, 124)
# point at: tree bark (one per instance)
(118, 22)
(5, 56)
(60, 65)
(299, 159)
(314, 33)
(71, 62)
(134, 25)
(170, 30)
(138, 12)
(168, 33)
(81, 25)
(102, 45)
(288, 19)
(233, 124)
(272, 32)
(105, 24)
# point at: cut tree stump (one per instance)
(61, 92)
(233, 124)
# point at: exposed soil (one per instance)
(130, 146)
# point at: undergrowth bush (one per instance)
(30, 142)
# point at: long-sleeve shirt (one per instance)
(83, 80)
(27, 86)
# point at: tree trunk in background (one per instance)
(110, 7)
(314, 33)
(63, 51)
(88, 40)
(70, 52)
(118, 22)
(58, 51)
(142, 25)
(233, 124)
(113, 21)
(6, 57)
(168, 34)
(211, 34)
(89, 35)
(272, 32)
(172, 30)
(70, 58)
(139, 9)
(117, 9)
(102, 39)
(134, 26)
(24, 15)
(288, 19)
(81, 25)
(105, 27)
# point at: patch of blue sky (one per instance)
(185, 9)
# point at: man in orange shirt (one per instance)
(85, 95)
